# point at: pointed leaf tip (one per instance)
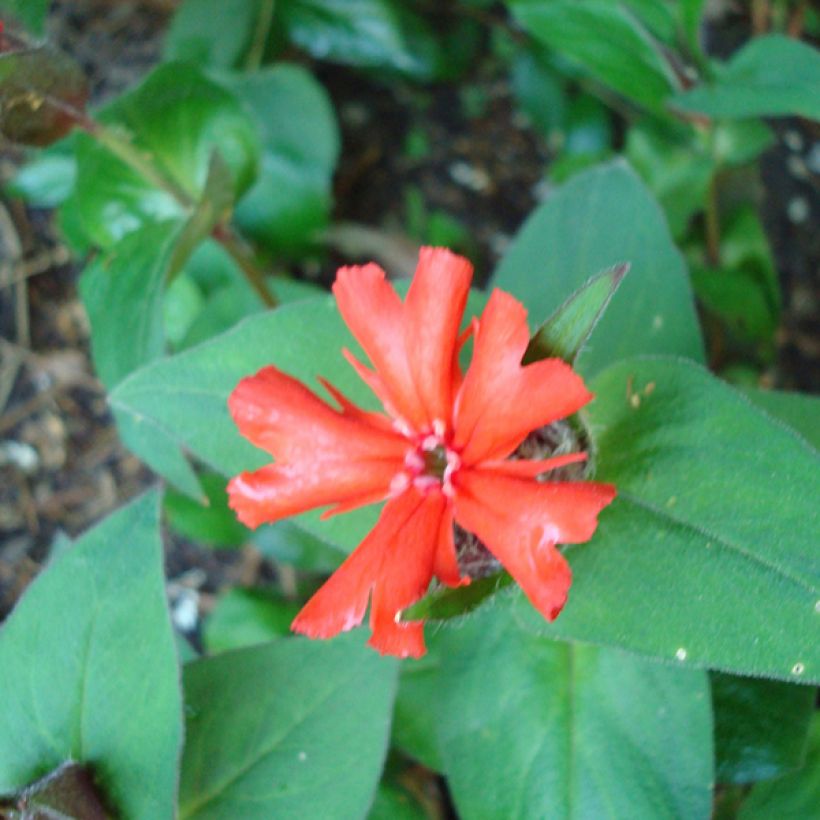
(566, 332)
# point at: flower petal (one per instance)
(281, 490)
(375, 315)
(445, 566)
(500, 401)
(395, 561)
(323, 456)
(433, 310)
(521, 520)
(279, 414)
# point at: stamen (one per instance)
(439, 428)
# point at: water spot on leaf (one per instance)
(680, 654)
(798, 668)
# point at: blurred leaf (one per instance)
(736, 142)
(800, 412)
(792, 797)
(606, 40)
(182, 304)
(567, 331)
(245, 617)
(212, 33)
(539, 90)
(707, 555)
(377, 34)
(588, 127)
(47, 178)
(294, 728)
(31, 13)
(771, 76)
(603, 218)
(123, 294)
(761, 727)
(212, 522)
(676, 167)
(122, 291)
(395, 803)
(212, 209)
(288, 543)
(658, 17)
(88, 668)
(42, 91)
(591, 728)
(690, 14)
(743, 291)
(290, 203)
(179, 118)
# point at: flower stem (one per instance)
(260, 35)
(712, 222)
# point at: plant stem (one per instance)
(241, 253)
(712, 223)
(260, 35)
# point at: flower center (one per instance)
(435, 461)
(428, 464)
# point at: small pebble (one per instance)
(798, 210)
(476, 179)
(793, 140)
(20, 455)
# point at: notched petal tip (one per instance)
(399, 640)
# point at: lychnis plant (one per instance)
(614, 551)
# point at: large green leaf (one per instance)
(544, 729)
(605, 40)
(179, 118)
(800, 412)
(377, 34)
(708, 555)
(212, 33)
(292, 729)
(88, 668)
(771, 76)
(761, 727)
(290, 202)
(793, 797)
(603, 218)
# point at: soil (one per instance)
(62, 467)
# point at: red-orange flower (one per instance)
(438, 456)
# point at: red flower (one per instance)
(438, 456)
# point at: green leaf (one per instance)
(761, 727)
(800, 412)
(295, 728)
(602, 218)
(567, 331)
(793, 796)
(549, 729)
(393, 802)
(707, 555)
(31, 13)
(376, 34)
(771, 76)
(245, 617)
(606, 41)
(48, 176)
(179, 118)
(212, 33)
(123, 294)
(676, 166)
(210, 523)
(88, 668)
(291, 200)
